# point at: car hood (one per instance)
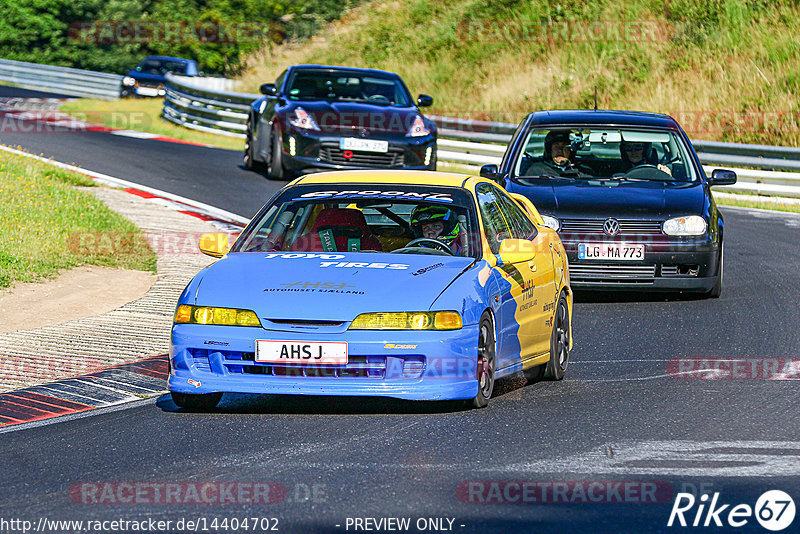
(635, 199)
(355, 117)
(324, 286)
(144, 77)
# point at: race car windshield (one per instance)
(367, 218)
(611, 154)
(347, 87)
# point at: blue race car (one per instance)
(409, 284)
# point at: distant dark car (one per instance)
(149, 76)
(318, 117)
(627, 195)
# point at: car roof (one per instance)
(349, 69)
(421, 178)
(603, 117)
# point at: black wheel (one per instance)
(202, 401)
(487, 362)
(249, 160)
(559, 343)
(275, 168)
(716, 291)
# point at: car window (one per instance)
(317, 84)
(521, 226)
(367, 218)
(496, 224)
(606, 153)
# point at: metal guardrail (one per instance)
(61, 79)
(473, 143)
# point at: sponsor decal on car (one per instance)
(404, 195)
(426, 269)
(317, 287)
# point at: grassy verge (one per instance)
(726, 69)
(144, 115)
(42, 217)
(756, 203)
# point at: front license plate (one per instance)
(321, 353)
(610, 251)
(363, 145)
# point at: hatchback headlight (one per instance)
(442, 320)
(551, 222)
(127, 81)
(691, 225)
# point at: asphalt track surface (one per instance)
(617, 417)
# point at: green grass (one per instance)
(144, 115)
(726, 69)
(759, 204)
(46, 223)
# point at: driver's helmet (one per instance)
(428, 214)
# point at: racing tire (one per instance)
(487, 351)
(249, 160)
(191, 401)
(275, 168)
(555, 368)
(716, 291)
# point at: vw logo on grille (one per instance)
(611, 227)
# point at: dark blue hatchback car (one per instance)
(627, 195)
(149, 76)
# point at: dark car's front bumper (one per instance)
(307, 151)
(670, 264)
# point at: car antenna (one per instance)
(595, 98)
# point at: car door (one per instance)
(517, 328)
(262, 133)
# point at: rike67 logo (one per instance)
(774, 510)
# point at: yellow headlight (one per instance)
(448, 320)
(215, 316)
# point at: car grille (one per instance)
(627, 227)
(611, 273)
(358, 366)
(330, 152)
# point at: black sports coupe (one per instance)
(627, 195)
(318, 117)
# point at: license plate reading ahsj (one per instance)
(316, 353)
(363, 145)
(610, 251)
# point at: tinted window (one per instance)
(372, 88)
(496, 224)
(521, 226)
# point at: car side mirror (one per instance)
(516, 251)
(424, 101)
(722, 177)
(490, 171)
(214, 244)
(268, 89)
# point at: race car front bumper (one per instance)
(413, 365)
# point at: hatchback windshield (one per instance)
(608, 153)
(347, 87)
(367, 218)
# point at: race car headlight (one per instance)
(127, 81)
(691, 225)
(442, 320)
(186, 314)
(418, 128)
(303, 120)
(551, 222)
